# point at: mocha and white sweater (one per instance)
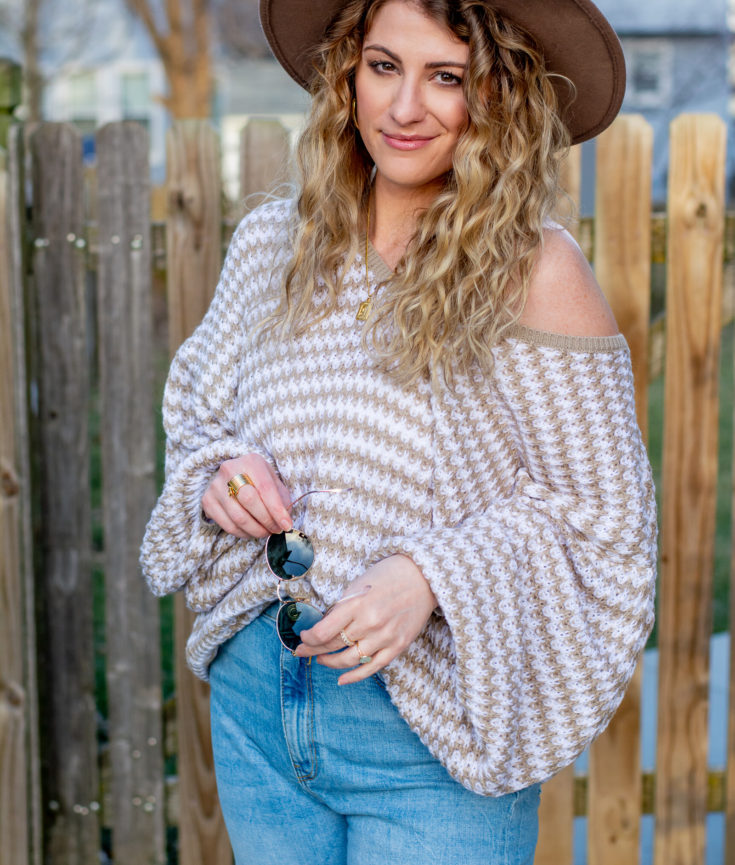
(525, 499)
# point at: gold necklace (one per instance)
(363, 311)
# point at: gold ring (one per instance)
(236, 483)
(346, 640)
(364, 659)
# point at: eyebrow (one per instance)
(433, 65)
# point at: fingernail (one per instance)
(286, 524)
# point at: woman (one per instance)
(416, 339)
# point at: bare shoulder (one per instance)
(563, 294)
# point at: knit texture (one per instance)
(526, 500)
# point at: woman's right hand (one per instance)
(258, 510)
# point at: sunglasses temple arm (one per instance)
(312, 492)
(363, 591)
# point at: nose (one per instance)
(408, 104)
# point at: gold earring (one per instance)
(354, 113)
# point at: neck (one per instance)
(395, 212)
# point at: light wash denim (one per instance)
(311, 773)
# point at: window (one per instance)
(650, 73)
(83, 109)
(135, 91)
(83, 102)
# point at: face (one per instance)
(410, 106)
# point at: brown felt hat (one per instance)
(576, 39)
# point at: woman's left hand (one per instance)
(384, 619)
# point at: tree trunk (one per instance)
(184, 49)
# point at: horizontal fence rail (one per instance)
(94, 296)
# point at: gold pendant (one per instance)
(363, 311)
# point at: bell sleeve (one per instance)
(180, 547)
(542, 558)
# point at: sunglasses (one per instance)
(289, 556)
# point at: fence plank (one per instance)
(14, 829)
(623, 268)
(193, 225)
(571, 182)
(16, 262)
(694, 302)
(623, 238)
(730, 770)
(556, 820)
(556, 811)
(66, 670)
(194, 261)
(128, 472)
(264, 155)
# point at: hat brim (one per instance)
(576, 39)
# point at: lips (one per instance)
(406, 142)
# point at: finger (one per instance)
(338, 660)
(233, 519)
(252, 498)
(326, 632)
(217, 513)
(379, 660)
(246, 521)
(351, 656)
(271, 491)
(304, 650)
(284, 494)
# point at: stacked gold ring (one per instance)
(236, 483)
(346, 640)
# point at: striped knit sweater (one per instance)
(526, 500)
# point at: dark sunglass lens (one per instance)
(289, 554)
(293, 618)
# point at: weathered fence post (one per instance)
(693, 319)
(556, 812)
(730, 768)
(19, 813)
(10, 95)
(194, 261)
(623, 269)
(64, 597)
(264, 155)
(16, 263)
(128, 472)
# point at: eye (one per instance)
(382, 67)
(448, 78)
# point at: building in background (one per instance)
(677, 55)
(100, 66)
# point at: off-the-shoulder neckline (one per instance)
(546, 339)
(521, 332)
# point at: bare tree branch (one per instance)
(141, 9)
(201, 26)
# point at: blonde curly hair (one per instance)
(464, 277)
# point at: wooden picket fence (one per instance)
(53, 806)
